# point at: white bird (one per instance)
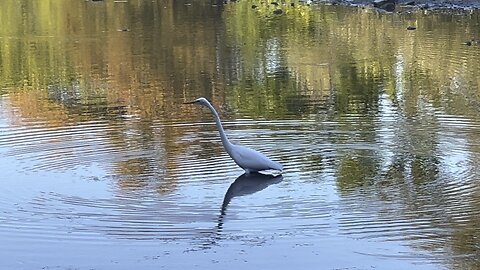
(248, 159)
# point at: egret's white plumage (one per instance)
(248, 159)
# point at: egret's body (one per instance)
(248, 159)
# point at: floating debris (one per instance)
(387, 5)
(306, 2)
(278, 11)
(472, 42)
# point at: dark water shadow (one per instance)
(245, 184)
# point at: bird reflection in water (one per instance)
(245, 184)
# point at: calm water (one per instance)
(103, 167)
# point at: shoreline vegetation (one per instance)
(391, 5)
(420, 4)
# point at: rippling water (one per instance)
(103, 167)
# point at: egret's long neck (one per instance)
(226, 143)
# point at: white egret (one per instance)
(248, 159)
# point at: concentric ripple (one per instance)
(354, 177)
(102, 166)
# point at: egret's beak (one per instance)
(191, 102)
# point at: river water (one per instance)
(103, 167)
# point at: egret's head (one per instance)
(199, 101)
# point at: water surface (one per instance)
(103, 167)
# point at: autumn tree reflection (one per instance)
(130, 65)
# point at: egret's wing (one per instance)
(251, 159)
